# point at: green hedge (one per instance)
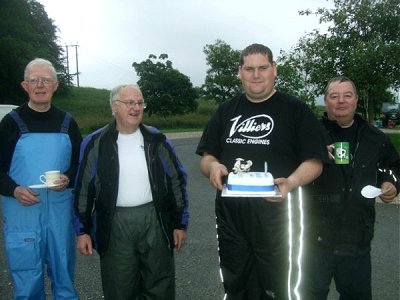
(90, 108)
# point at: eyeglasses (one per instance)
(132, 103)
(36, 81)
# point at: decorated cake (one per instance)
(242, 181)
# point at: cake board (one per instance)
(273, 194)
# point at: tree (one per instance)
(222, 82)
(26, 32)
(166, 90)
(362, 42)
(292, 76)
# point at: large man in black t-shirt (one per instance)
(261, 125)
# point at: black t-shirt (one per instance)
(281, 131)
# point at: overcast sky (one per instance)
(113, 34)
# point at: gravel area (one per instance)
(197, 267)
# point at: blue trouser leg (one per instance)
(38, 237)
(24, 248)
(61, 247)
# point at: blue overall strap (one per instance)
(21, 124)
(65, 123)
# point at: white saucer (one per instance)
(271, 194)
(42, 186)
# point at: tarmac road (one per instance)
(197, 271)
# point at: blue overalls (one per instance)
(42, 233)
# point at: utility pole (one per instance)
(76, 62)
(66, 50)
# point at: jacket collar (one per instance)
(334, 125)
(150, 133)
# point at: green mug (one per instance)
(342, 153)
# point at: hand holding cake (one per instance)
(213, 170)
(243, 183)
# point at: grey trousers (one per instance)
(138, 263)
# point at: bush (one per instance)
(91, 109)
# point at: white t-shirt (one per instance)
(134, 184)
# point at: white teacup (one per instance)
(49, 177)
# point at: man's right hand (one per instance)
(84, 244)
(217, 171)
(26, 196)
(213, 170)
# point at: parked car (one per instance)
(5, 109)
(391, 117)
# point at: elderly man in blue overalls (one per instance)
(35, 138)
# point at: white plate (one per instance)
(42, 186)
(273, 194)
(370, 191)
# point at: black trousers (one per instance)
(253, 248)
(351, 274)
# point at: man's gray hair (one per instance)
(114, 94)
(40, 62)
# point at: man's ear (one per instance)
(24, 85)
(55, 86)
